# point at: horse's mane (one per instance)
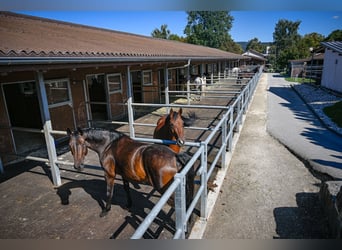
(99, 134)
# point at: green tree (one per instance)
(285, 39)
(208, 28)
(177, 38)
(255, 44)
(336, 35)
(311, 40)
(163, 32)
(231, 46)
(286, 34)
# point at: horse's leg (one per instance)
(110, 188)
(128, 193)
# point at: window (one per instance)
(147, 77)
(209, 68)
(114, 83)
(194, 70)
(58, 92)
(169, 75)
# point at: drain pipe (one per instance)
(188, 83)
(129, 103)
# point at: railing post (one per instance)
(231, 129)
(203, 213)
(224, 139)
(180, 206)
(237, 109)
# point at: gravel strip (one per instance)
(318, 98)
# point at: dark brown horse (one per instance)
(135, 161)
(171, 127)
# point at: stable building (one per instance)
(55, 75)
(332, 68)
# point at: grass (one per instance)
(335, 113)
(298, 79)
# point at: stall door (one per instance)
(137, 86)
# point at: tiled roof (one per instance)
(31, 37)
(335, 46)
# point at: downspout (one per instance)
(129, 103)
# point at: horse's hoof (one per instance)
(104, 212)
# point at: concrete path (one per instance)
(294, 125)
(268, 192)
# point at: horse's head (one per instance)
(78, 147)
(176, 126)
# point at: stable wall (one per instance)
(332, 71)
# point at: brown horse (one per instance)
(171, 127)
(135, 161)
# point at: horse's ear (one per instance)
(79, 130)
(68, 131)
(180, 111)
(171, 112)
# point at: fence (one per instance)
(225, 129)
(229, 124)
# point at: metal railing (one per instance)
(227, 126)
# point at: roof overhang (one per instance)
(36, 63)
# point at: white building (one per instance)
(332, 67)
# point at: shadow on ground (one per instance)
(302, 222)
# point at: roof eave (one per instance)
(79, 60)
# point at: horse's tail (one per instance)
(183, 158)
(188, 121)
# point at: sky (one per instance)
(247, 24)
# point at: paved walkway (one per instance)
(268, 192)
(294, 125)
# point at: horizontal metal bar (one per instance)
(168, 142)
(27, 129)
(34, 158)
(179, 105)
(205, 92)
(58, 132)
